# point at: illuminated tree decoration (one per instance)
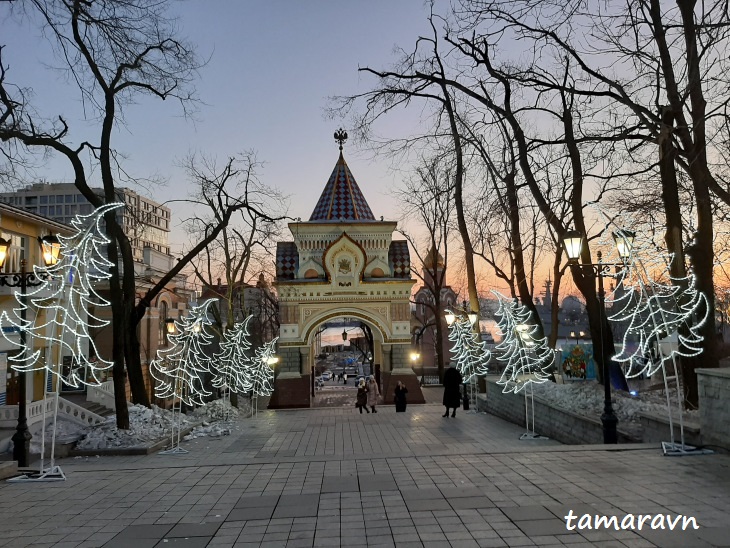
(232, 365)
(652, 311)
(70, 304)
(262, 374)
(180, 369)
(527, 358)
(470, 354)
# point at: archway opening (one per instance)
(345, 349)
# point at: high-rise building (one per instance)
(145, 222)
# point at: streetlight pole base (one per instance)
(21, 445)
(610, 421)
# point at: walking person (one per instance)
(452, 394)
(373, 393)
(362, 396)
(400, 397)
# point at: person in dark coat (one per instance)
(452, 394)
(362, 396)
(400, 397)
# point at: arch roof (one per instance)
(342, 199)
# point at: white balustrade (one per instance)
(102, 394)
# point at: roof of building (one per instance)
(287, 260)
(433, 258)
(400, 259)
(342, 199)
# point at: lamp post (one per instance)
(50, 247)
(573, 244)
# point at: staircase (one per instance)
(72, 407)
(93, 407)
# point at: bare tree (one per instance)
(429, 200)
(115, 52)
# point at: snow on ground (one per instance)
(587, 398)
(145, 426)
(150, 425)
(66, 432)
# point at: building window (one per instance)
(163, 327)
(44, 199)
(44, 209)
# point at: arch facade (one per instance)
(342, 262)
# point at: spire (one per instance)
(342, 199)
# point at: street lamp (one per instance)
(170, 326)
(50, 247)
(573, 244)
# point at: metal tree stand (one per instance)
(530, 434)
(175, 448)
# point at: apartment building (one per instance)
(146, 223)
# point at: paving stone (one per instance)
(130, 543)
(540, 527)
(193, 530)
(185, 542)
(246, 514)
(257, 501)
(340, 484)
(144, 531)
(520, 513)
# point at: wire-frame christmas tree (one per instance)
(262, 372)
(231, 371)
(652, 312)
(468, 351)
(527, 358)
(180, 370)
(470, 354)
(67, 305)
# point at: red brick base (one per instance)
(290, 393)
(415, 395)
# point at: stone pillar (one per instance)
(400, 370)
(291, 387)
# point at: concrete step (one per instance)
(8, 469)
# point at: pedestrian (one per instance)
(362, 397)
(373, 393)
(344, 378)
(400, 397)
(452, 395)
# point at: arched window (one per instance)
(311, 273)
(163, 328)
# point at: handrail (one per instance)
(102, 394)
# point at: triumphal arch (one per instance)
(342, 262)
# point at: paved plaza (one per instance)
(333, 477)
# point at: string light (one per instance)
(470, 354)
(232, 365)
(67, 298)
(527, 358)
(179, 370)
(654, 311)
(262, 374)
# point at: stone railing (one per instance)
(66, 410)
(76, 413)
(102, 394)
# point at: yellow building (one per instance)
(21, 230)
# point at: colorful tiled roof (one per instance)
(342, 199)
(399, 259)
(287, 260)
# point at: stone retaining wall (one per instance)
(714, 392)
(655, 428)
(558, 424)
